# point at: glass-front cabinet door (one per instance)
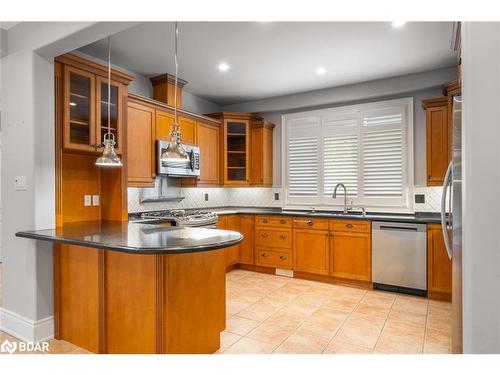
(115, 111)
(236, 152)
(79, 109)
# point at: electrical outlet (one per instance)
(206, 197)
(276, 196)
(95, 200)
(419, 198)
(87, 200)
(20, 183)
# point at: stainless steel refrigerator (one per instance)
(451, 222)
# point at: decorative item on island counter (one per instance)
(109, 157)
(175, 152)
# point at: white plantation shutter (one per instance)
(382, 161)
(340, 155)
(303, 158)
(366, 147)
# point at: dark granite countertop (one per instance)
(423, 217)
(136, 238)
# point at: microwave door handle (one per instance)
(444, 224)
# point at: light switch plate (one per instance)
(87, 200)
(20, 183)
(95, 200)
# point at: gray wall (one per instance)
(397, 87)
(196, 104)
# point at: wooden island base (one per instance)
(115, 302)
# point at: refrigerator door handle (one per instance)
(444, 224)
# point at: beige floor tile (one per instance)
(227, 339)
(300, 308)
(439, 322)
(343, 348)
(417, 305)
(406, 317)
(286, 319)
(437, 341)
(234, 306)
(310, 298)
(259, 311)
(401, 338)
(80, 351)
(61, 347)
(361, 330)
(303, 342)
(249, 346)
(240, 326)
(342, 303)
(439, 308)
(294, 287)
(378, 310)
(324, 322)
(271, 333)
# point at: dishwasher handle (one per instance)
(407, 229)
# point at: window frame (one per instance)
(372, 204)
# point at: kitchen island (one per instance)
(124, 287)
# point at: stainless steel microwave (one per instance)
(173, 169)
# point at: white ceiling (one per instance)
(7, 25)
(277, 58)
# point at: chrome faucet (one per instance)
(345, 196)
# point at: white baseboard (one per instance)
(26, 329)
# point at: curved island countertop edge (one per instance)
(136, 238)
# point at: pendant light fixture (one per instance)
(175, 153)
(109, 157)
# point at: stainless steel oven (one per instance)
(174, 169)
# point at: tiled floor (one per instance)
(273, 314)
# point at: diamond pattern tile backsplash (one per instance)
(195, 198)
(432, 198)
(248, 197)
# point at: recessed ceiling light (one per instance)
(320, 71)
(398, 23)
(223, 67)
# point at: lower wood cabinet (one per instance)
(351, 251)
(247, 245)
(438, 265)
(273, 257)
(311, 251)
(231, 222)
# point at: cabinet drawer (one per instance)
(274, 237)
(273, 258)
(274, 221)
(310, 223)
(350, 226)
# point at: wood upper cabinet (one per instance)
(350, 251)
(188, 130)
(246, 149)
(261, 140)
(164, 121)
(438, 140)
(247, 245)
(140, 145)
(84, 104)
(311, 251)
(209, 143)
(438, 265)
(231, 222)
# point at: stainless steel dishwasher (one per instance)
(399, 257)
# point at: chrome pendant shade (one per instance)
(175, 152)
(109, 157)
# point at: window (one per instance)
(367, 147)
